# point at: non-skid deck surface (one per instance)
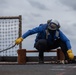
(38, 69)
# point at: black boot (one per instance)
(41, 61)
(72, 61)
(41, 58)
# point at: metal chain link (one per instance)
(8, 47)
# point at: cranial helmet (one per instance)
(53, 24)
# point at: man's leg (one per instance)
(64, 50)
(60, 43)
(41, 46)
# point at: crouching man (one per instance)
(49, 36)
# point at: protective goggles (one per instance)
(52, 26)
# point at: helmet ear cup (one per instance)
(58, 25)
(48, 21)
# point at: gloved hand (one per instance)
(70, 54)
(19, 40)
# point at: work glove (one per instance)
(19, 40)
(70, 54)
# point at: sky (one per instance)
(35, 12)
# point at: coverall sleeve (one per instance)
(32, 31)
(65, 39)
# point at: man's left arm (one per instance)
(67, 41)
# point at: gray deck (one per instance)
(38, 69)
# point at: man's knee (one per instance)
(41, 44)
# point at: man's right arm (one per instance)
(29, 32)
(32, 31)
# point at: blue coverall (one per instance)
(41, 43)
